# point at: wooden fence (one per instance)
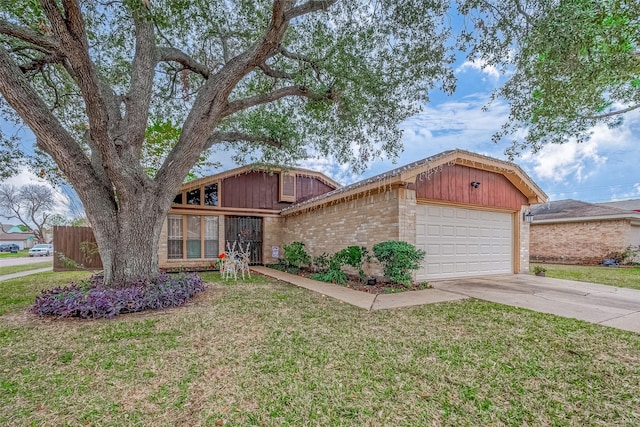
(75, 247)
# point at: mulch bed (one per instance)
(353, 282)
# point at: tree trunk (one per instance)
(128, 241)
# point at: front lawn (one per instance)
(622, 277)
(20, 254)
(267, 353)
(24, 267)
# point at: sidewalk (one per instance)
(362, 299)
(24, 273)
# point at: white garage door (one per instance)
(463, 242)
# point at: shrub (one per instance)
(537, 269)
(294, 254)
(331, 276)
(629, 255)
(398, 260)
(92, 300)
(354, 256)
(321, 262)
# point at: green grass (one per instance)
(26, 267)
(20, 254)
(622, 277)
(19, 293)
(267, 353)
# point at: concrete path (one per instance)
(601, 304)
(24, 273)
(362, 299)
(6, 262)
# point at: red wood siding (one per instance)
(453, 184)
(308, 187)
(259, 190)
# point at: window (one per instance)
(201, 237)
(287, 187)
(207, 195)
(174, 231)
(193, 197)
(211, 195)
(210, 236)
(193, 236)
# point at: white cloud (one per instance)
(578, 162)
(481, 66)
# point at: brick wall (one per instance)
(271, 236)
(363, 221)
(587, 242)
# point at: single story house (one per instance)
(465, 210)
(576, 232)
(24, 239)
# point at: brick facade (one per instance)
(584, 242)
(362, 221)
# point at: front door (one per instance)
(245, 230)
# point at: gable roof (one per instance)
(570, 210)
(13, 237)
(631, 205)
(196, 183)
(408, 173)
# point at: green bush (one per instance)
(398, 260)
(331, 276)
(321, 262)
(294, 254)
(354, 256)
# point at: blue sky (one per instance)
(602, 169)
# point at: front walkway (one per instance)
(605, 305)
(24, 273)
(362, 299)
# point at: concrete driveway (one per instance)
(605, 305)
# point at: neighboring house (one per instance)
(575, 232)
(629, 205)
(464, 209)
(24, 240)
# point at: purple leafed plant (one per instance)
(92, 300)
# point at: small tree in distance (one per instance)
(30, 204)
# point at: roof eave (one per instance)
(634, 218)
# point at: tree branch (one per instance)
(52, 137)
(138, 98)
(309, 7)
(69, 30)
(303, 58)
(252, 101)
(218, 137)
(277, 74)
(613, 113)
(29, 36)
(173, 54)
(39, 63)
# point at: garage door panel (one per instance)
(463, 242)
